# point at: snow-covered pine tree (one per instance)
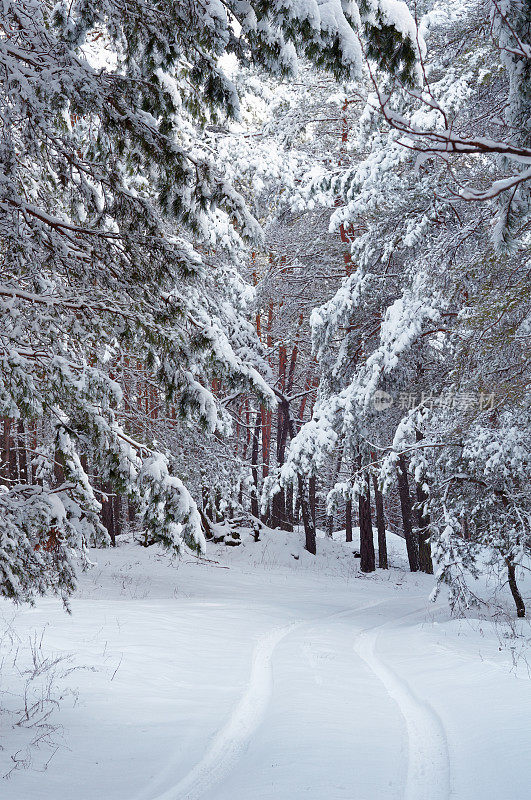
(431, 367)
(105, 183)
(102, 177)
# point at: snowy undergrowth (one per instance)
(34, 684)
(285, 550)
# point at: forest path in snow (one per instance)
(229, 742)
(428, 766)
(268, 673)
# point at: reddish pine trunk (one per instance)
(254, 466)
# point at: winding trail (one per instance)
(428, 769)
(232, 738)
(273, 681)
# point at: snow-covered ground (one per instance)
(261, 673)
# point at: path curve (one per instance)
(232, 738)
(428, 773)
(428, 770)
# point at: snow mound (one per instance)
(284, 550)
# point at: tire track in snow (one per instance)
(232, 739)
(428, 770)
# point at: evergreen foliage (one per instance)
(119, 233)
(424, 348)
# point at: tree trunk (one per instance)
(517, 597)
(425, 562)
(348, 521)
(254, 466)
(107, 516)
(279, 511)
(412, 544)
(312, 492)
(330, 517)
(266, 439)
(205, 524)
(23, 471)
(368, 559)
(13, 459)
(380, 524)
(307, 519)
(219, 517)
(330, 526)
(4, 456)
(423, 521)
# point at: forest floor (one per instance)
(261, 673)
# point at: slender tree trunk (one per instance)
(287, 495)
(279, 511)
(13, 460)
(131, 513)
(330, 517)
(4, 455)
(266, 439)
(217, 506)
(254, 466)
(380, 524)
(425, 561)
(368, 558)
(23, 471)
(412, 544)
(307, 519)
(58, 472)
(423, 520)
(348, 521)
(330, 526)
(517, 597)
(205, 524)
(312, 493)
(107, 516)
